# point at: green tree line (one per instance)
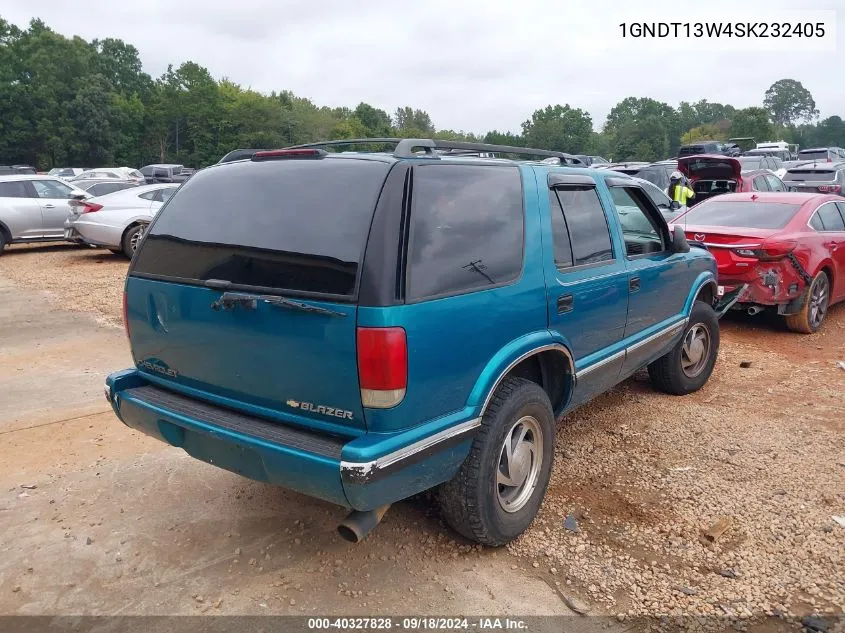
(71, 102)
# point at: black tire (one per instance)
(814, 310)
(668, 373)
(132, 235)
(3, 241)
(471, 501)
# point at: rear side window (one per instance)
(759, 215)
(466, 229)
(51, 189)
(13, 189)
(829, 215)
(587, 225)
(284, 225)
(760, 184)
(560, 234)
(775, 183)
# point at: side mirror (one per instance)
(679, 241)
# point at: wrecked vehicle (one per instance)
(778, 251)
(372, 325)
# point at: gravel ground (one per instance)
(641, 476)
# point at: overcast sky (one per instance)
(472, 65)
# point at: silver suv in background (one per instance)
(817, 178)
(822, 154)
(34, 208)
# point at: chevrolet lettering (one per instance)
(319, 408)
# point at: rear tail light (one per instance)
(125, 315)
(768, 251)
(830, 188)
(90, 207)
(382, 366)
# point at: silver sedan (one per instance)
(117, 220)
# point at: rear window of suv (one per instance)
(286, 225)
(466, 229)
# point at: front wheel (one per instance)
(2, 241)
(687, 367)
(812, 313)
(496, 494)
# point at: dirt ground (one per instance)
(142, 528)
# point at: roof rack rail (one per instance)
(409, 148)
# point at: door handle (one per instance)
(564, 304)
(49, 206)
(634, 284)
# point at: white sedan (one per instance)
(117, 220)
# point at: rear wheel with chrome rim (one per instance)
(688, 365)
(814, 310)
(497, 492)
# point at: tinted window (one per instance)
(775, 183)
(51, 189)
(813, 154)
(587, 225)
(14, 189)
(750, 162)
(103, 188)
(148, 195)
(760, 215)
(466, 229)
(560, 234)
(163, 195)
(655, 175)
(830, 217)
(760, 184)
(295, 225)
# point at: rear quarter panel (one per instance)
(451, 341)
(107, 227)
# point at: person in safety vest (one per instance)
(678, 192)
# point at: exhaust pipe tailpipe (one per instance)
(355, 527)
(754, 310)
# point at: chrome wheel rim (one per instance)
(818, 301)
(695, 350)
(520, 461)
(135, 239)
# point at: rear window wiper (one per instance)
(281, 302)
(229, 300)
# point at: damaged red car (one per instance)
(776, 251)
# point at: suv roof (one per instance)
(417, 148)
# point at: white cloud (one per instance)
(472, 65)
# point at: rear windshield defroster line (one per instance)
(288, 226)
